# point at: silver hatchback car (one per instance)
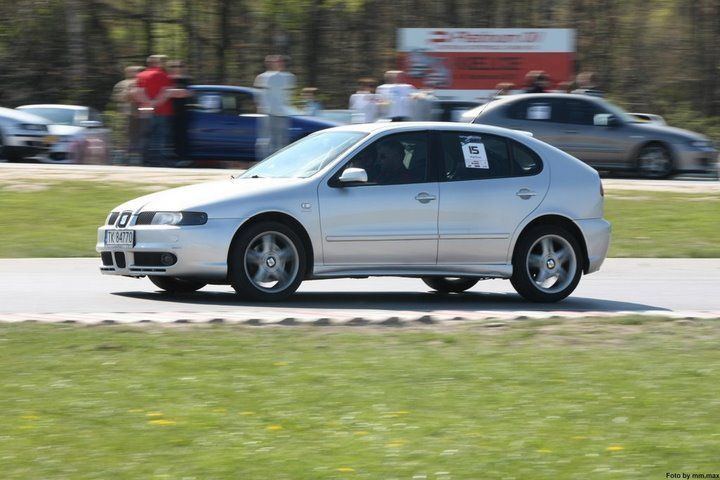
(601, 134)
(450, 204)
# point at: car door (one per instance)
(488, 185)
(222, 124)
(581, 138)
(390, 220)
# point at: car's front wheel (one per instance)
(267, 262)
(175, 284)
(546, 264)
(450, 284)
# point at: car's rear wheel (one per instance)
(176, 285)
(654, 161)
(450, 284)
(546, 264)
(267, 262)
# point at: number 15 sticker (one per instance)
(475, 155)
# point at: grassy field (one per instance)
(611, 399)
(61, 220)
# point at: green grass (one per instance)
(611, 399)
(62, 219)
(663, 224)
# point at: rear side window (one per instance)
(474, 156)
(535, 110)
(525, 161)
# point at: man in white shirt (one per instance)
(365, 101)
(274, 89)
(396, 97)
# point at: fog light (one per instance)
(167, 259)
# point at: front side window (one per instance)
(226, 103)
(393, 160)
(578, 112)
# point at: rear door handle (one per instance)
(424, 197)
(571, 131)
(525, 193)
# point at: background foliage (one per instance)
(658, 56)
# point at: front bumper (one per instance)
(596, 232)
(695, 160)
(201, 250)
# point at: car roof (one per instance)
(224, 88)
(55, 105)
(381, 127)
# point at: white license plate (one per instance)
(120, 238)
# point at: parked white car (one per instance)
(79, 133)
(22, 135)
(451, 204)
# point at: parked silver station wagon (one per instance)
(601, 134)
(450, 204)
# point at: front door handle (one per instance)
(424, 197)
(571, 131)
(525, 193)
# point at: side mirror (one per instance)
(353, 175)
(605, 120)
(91, 124)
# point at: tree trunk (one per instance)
(76, 47)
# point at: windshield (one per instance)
(57, 116)
(305, 157)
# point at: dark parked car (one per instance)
(223, 123)
(601, 134)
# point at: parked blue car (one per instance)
(223, 123)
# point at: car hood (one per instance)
(64, 130)
(22, 117)
(679, 133)
(210, 197)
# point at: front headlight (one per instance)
(172, 218)
(701, 144)
(34, 126)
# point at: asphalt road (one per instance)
(75, 286)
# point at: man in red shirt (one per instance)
(154, 84)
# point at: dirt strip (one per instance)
(12, 174)
(349, 318)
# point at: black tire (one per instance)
(654, 160)
(264, 271)
(532, 274)
(176, 285)
(450, 284)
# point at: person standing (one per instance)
(180, 114)
(153, 83)
(312, 105)
(587, 85)
(127, 106)
(275, 86)
(365, 101)
(396, 97)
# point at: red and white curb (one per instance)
(345, 318)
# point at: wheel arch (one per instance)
(561, 221)
(283, 218)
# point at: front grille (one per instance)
(154, 259)
(113, 218)
(106, 259)
(120, 259)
